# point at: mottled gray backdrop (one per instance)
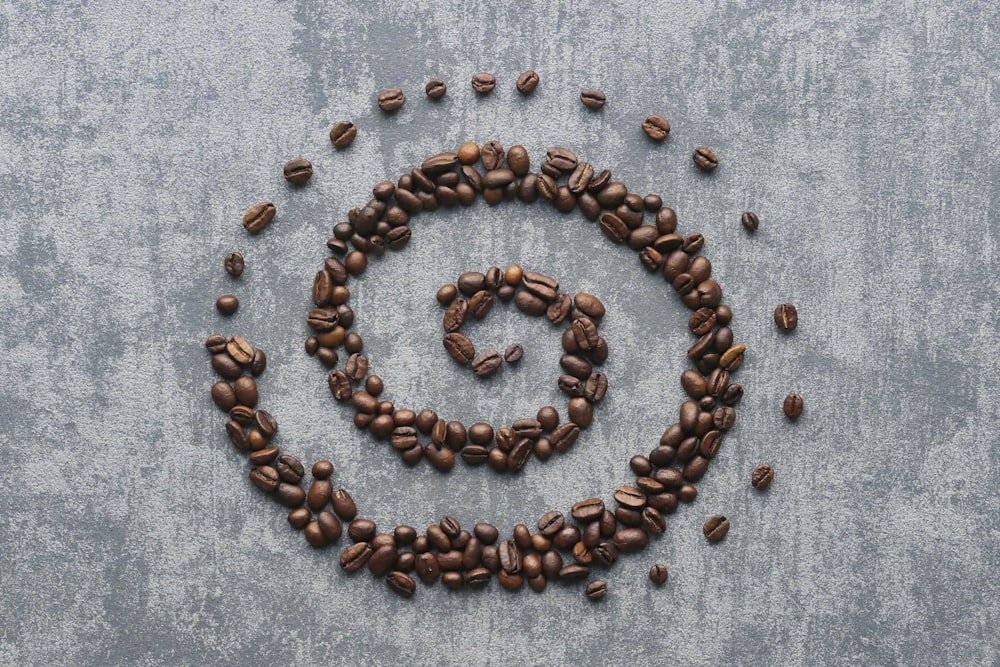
(132, 138)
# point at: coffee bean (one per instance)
(513, 354)
(492, 157)
(786, 317)
(486, 363)
(438, 164)
(259, 362)
(658, 574)
(227, 304)
(705, 159)
(483, 83)
(454, 317)
(298, 170)
(793, 406)
(762, 476)
(592, 98)
(356, 367)
(596, 590)
(481, 304)
(750, 221)
(435, 89)
(391, 99)
(343, 505)
(732, 358)
(716, 527)
(518, 161)
(234, 264)
(343, 133)
(265, 478)
(629, 540)
(656, 128)
(258, 217)
(565, 436)
(596, 387)
(459, 347)
(245, 388)
(527, 82)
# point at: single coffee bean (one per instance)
(259, 362)
(265, 478)
(480, 304)
(223, 395)
(716, 527)
(391, 99)
(732, 358)
(705, 159)
(605, 553)
(234, 264)
(227, 304)
(631, 497)
(459, 347)
(574, 572)
(215, 343)
(289, 495)
(258, 217)
(518, 161)
(486, 363)
(354, 557)
(786, 317)
(513, 354)
(527, 82)
(656, 128)
(658, 574)
(343, 133)
(483, 83)
(454, 317)
(750, 221)
(592, 98)
(762, 476)
(343, 505)
(435, 89)
(629, 540)
(591, 509)
(298, 170)
(356, 367)
(596, 590)
(565, 436)
(793, 406)
(437, 164)
(492, 157)
(246, 390)
(551, 523)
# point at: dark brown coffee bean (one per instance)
(793, 406)
(227, 304)
(786, 317)
(342, 134)
(459, 347)
(289, 495)
(435, 89)
(656, 128)
(259, 362)
(590, 509)
(454, 317)
(340, 385)
(596, 590)
(513, 353)
(551, 523)
(224, 365)
(529, 304)
(629, 540)
(400, 583)
(596, 387)
(653, 521)
(732, 394)
(215, 343)
(574, 572)
(658, 574)
(382, 559)
(481, 304)
(391, 99)
(319, 494)
(614, 227)
(762, 476)
(693, 383)
(732, 358)
(527, 82)
(356, 367)
(592, 98)
(705, 159)
(265, 478)
(559, 309)
(492, 158)
(298, 170)
(750, 221)
(631, 497)
(234, 264)
(510, 557)
(565, 436)
(585, 332)
(362, 530)
(258, 217)
(344, 505)
(223, 395)
(716, 527)
(483, 83)
(486, 363)
(581, 411)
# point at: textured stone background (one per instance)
(133, 138)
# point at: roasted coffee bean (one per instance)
(629, 540)
(614, 227)
(319, 494)
(658, 574)
(362, 530)
(454, 317)
(223, 395)
(459, 347)
(513, 353)
(565, 436)
(492, 158)
(527, 82)
(391, 99)
(793, 406)
(298, 170)
(215, 343)
(732, 358)
(486, 363)
(242, 415)
(435, 89)
(581, 412)
(400, 583)
(519, 454)
(631, 497)
(724, 418)
(652, 521)
(559, 309)
(590, 509)
(651, 259)
(716, 527)
(527, 428)
(340, 385)
(596, 590)
(344, 505)
(693, 383)
(438, 164)
(786, 317)
(710, 443)
(483, 83)
(656, 127)
(592, 98)
(258, 217)
(510, 557)
(596, 387)
(234, 264)
(427, 568)
(750, 221)
(475, 454)
(265, 478)
(605, 554)
(551, 523)
(356, 367)
(227, 304)
(342, 134)
(518, 160)
(259, 362)
(481, 304)
(289, 495)
(224, 365)
(762, 476)
(705, 159)
(732, 394)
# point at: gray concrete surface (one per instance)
(132, 138)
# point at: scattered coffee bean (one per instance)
(486, 363)
(342, 134)
(658, 574)
(750, 221)
(596, 590)
(656, 128)
(762, 476)
(258, 217)
(793, 406)
(298, 170)
(391, 99)
(716, 527)
(527, 82)
(483, 83)
(513, 354)
(435, 89)
(592, 98)
(705, 159)
(786, 317)
(227, 304)
(234, 264)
